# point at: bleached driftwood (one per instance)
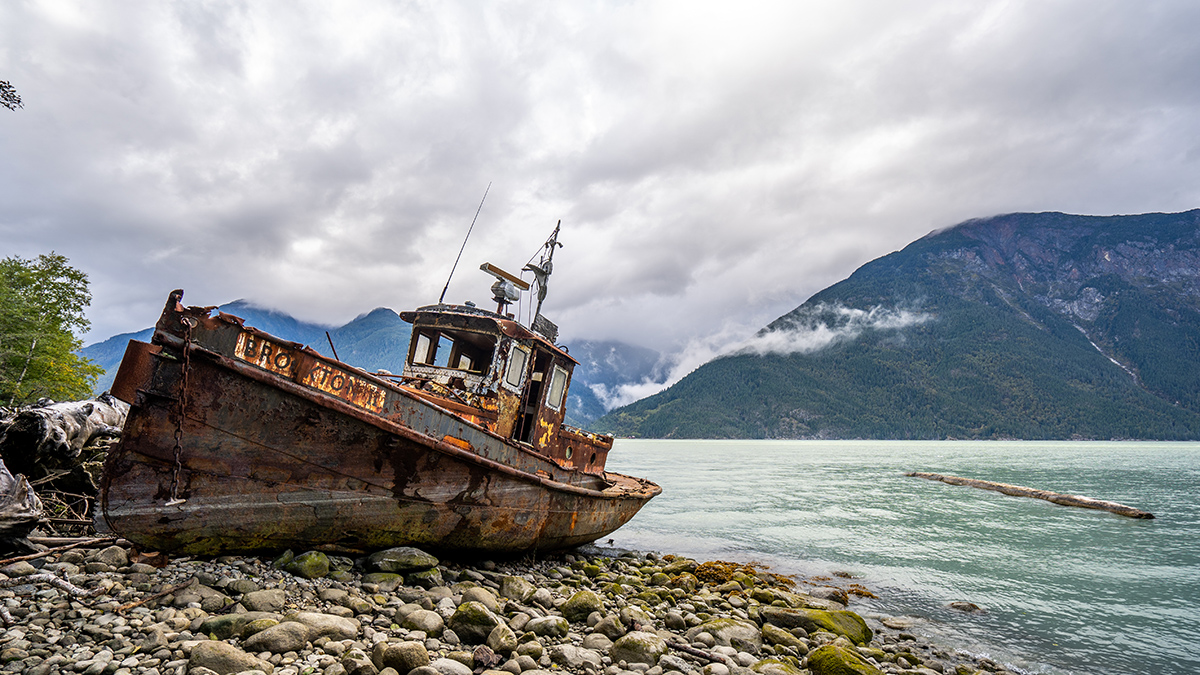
(40, 439)
(61, 584)
(20, 507)
(1054, 497)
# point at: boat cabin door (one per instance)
(531, 402)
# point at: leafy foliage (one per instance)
(9, 98)
(41, 306)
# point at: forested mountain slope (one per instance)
(1032, 326)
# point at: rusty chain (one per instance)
(175, 500)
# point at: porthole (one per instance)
(570, 451)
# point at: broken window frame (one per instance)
(513, 368)
(558, 387)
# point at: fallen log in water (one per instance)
(1018, 491)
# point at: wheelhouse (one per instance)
(502, 376)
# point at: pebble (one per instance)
(635, 603)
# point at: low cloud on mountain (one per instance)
(808, 330)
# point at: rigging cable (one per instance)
(464, 244)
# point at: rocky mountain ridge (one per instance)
(1041, 325)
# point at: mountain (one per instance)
(379, 340)
(604, 367)
(1027, 325)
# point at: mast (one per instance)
(544, 267)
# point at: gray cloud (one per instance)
(713, 165)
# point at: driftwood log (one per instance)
(20, 507)
(1054, 497)
(45, 441)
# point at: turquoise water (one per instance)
(1066, 590)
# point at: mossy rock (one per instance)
(686, 581)
(835, 660)
(517, 588)
(777, 666)
(386, 581)
(309, 565)
(502, 640)
(680, 566)
(649, 597)
(841, 622)
(472, 622)
(427, 579)
(729, 632)
(877, 654)
(581, 604)
(775, 635)
(660, 579)
(533, 650)
(402, 559)
(728, 587)
(223, 626)
(632, 616)
(765, 595)
(746, 580)
(256, 626)
(549, 626)
(592, 571)
(638, 647)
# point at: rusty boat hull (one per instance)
(295, 450)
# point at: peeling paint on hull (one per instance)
(269, 462)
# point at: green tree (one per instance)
(41, 308)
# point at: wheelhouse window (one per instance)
(456, 350)
(517, 360)
(422, 354)
(558, 385)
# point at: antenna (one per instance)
(442, 297)
(543, 268)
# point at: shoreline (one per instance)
(588, 611)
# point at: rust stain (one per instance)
(457, 442)
(285, 448)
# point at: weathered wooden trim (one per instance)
(1053, 497)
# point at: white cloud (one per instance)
(809, 330)
(712, 163)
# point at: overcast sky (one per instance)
(713, 164)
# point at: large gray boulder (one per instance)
(472, 622)
(573, 658)
(289, 636)
(581, 604)
(548, 626)
(326, 625)
(638, 647)
(730, 633)
(401, 560)
(425, 620)
(269, 600)
(223, 658)
(847, 624)
(402, 656)
(517, 588)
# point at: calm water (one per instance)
(1066, 590)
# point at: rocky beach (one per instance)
(103, 608)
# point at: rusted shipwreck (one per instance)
(238, 441)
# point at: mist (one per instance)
(805, 331)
